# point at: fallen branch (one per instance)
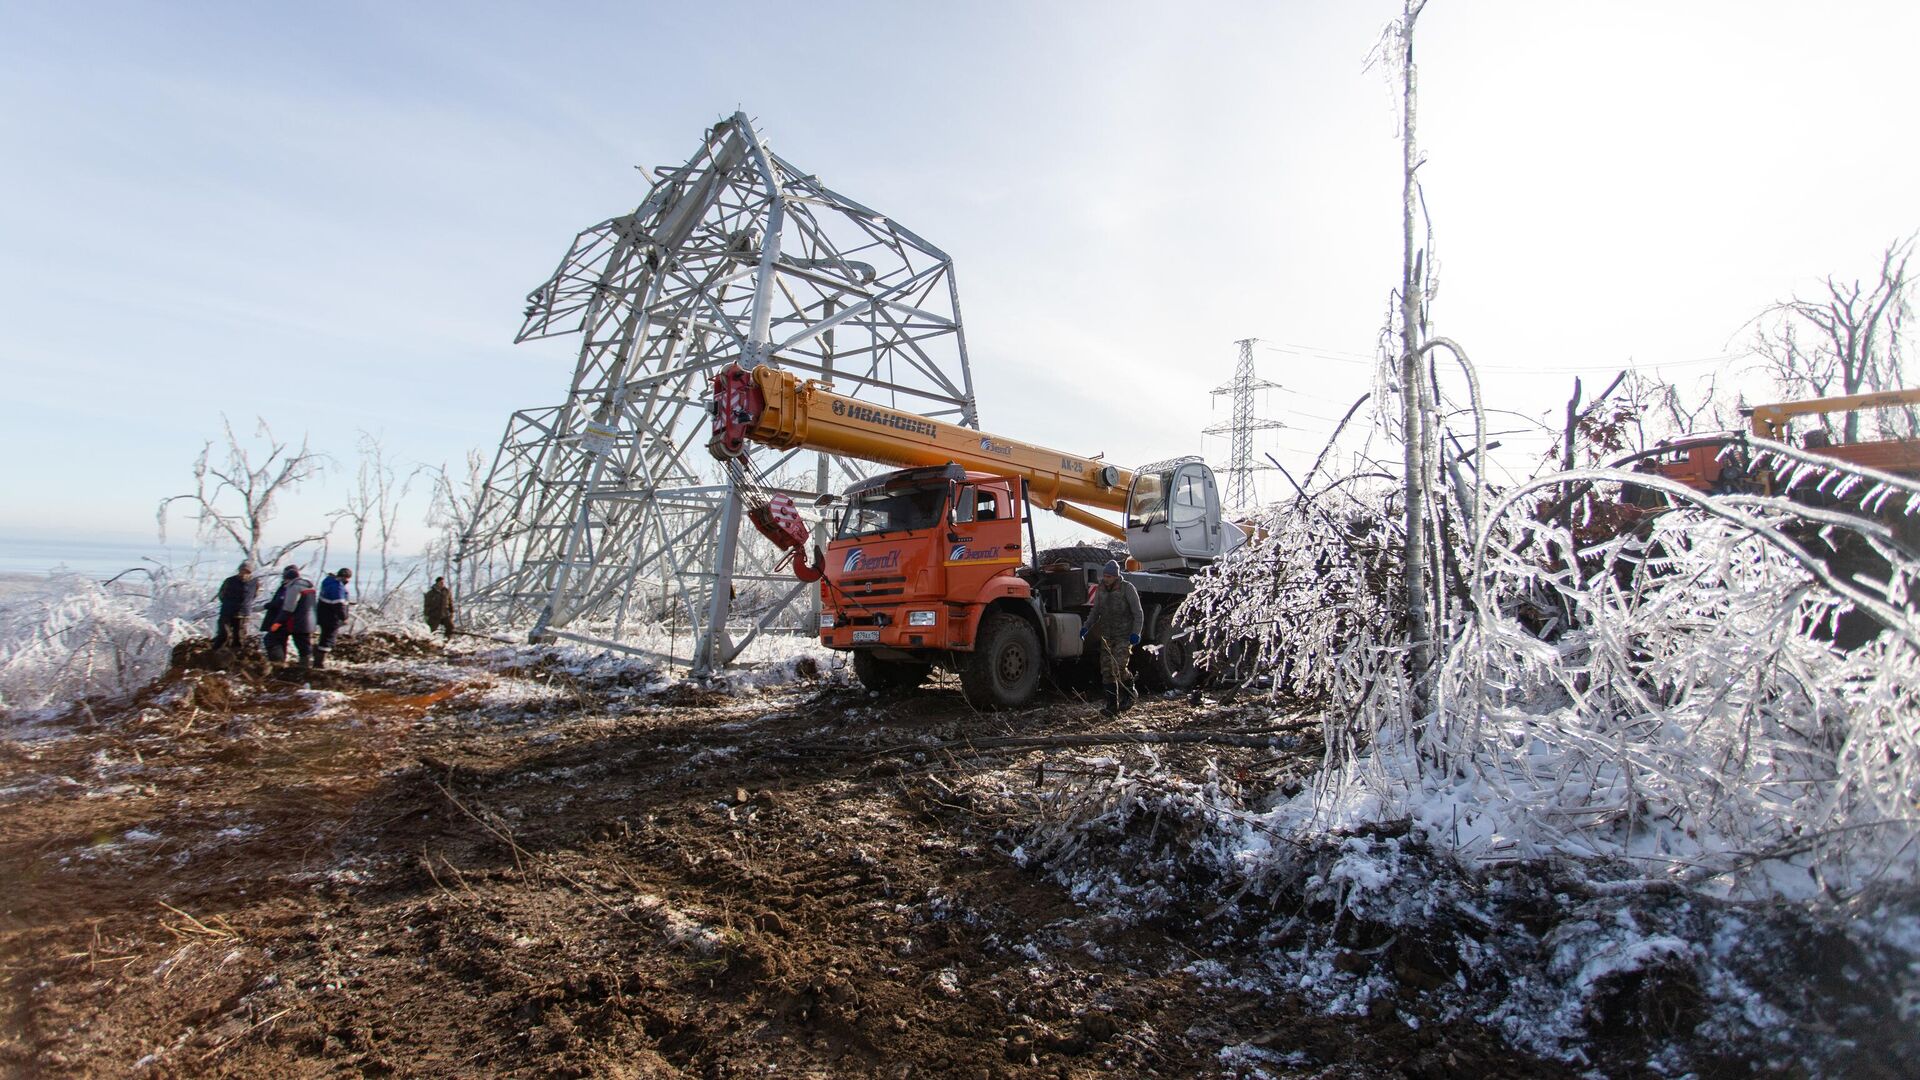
(223, 929)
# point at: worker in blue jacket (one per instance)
(336, 601)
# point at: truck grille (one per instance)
(871, 587)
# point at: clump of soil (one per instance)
(199, 654)
(689, 695)
(384, 645)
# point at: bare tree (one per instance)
(373, 506)
(1848, 341)
(236, 498)
(390, 495)
(1679, 413)
(455, 508)
(359, 510)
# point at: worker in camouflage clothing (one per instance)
(438, 608)
(1114, 628)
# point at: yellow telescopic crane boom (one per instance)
(1770, 421)
(775, 408)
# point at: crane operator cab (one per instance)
(1173, 517)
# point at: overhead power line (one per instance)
(1339, 356)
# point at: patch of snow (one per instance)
(679, 928)
(710, 755)
(321, 702)
(513, 693)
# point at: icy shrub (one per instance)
(396, 613)
(1689, 712)
(84, 639)
(1309, 600)
(1666, 691)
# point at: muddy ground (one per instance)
(417, 863)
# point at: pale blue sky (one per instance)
(328, 215)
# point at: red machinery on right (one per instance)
(1900, 456)
(1725, 464)
(1704, 465)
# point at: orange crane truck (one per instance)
(937, 564)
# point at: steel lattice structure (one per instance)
(1241, 494)
(607, 507)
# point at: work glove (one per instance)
(1133, 639)
(1083, 632)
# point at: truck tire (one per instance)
(887, 675)
(1004, 666)
(1077, 555)
(1171, 666)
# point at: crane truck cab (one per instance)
(938, 567)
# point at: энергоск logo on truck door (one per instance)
(961, 555)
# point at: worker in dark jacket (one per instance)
(438, 608)
(236, 599)
(1114, 628)
(336, 602)
(290, 616)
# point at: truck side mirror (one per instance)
(963, 505)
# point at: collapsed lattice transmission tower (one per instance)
(1241, 494)
(606, 516)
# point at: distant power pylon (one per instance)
(1241, 495)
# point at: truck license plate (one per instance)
(865, 635)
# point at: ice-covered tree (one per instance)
(238, 487)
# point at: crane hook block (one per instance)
(737, 405)
(779, 521)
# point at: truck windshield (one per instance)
(883, 511)
(1147, 502)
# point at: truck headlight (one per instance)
(826, 620)
(922, 618)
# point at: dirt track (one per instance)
(446, 868)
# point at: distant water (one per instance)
(100, 559)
